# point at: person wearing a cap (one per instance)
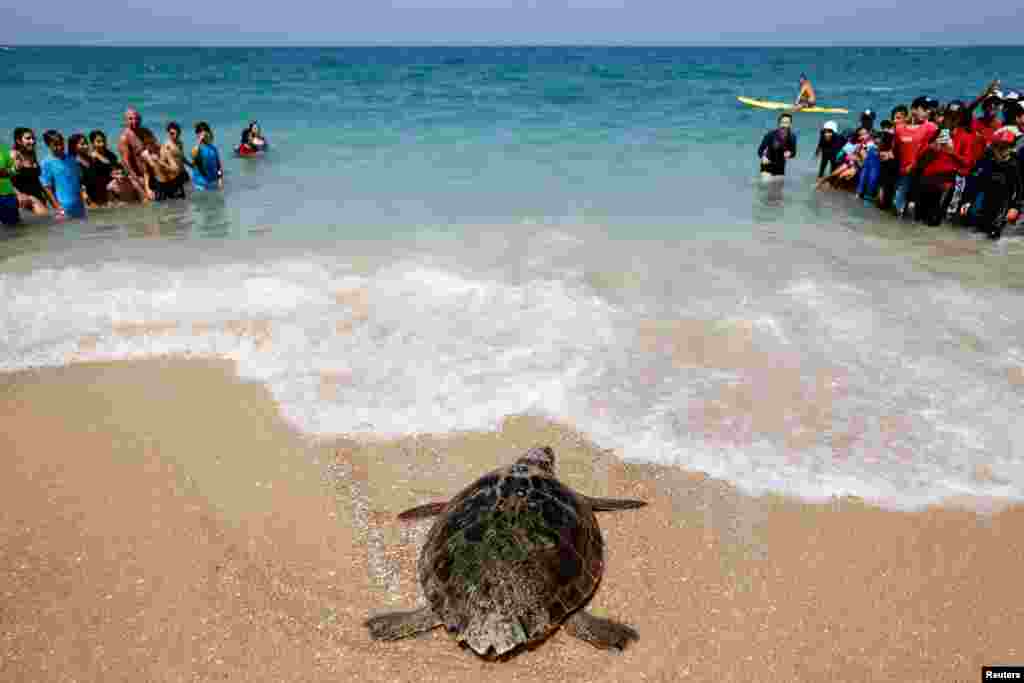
(911, 140)
(996, 185)
(851, 157)
(988, 123)
(830, 143)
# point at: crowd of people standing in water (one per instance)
(928, 163)
(83, 173)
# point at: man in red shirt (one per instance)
(988, 123)
(911, 140)
(938, 167)
(968, 148)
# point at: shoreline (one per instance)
(163, 522)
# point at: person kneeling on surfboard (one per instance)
(806, 98)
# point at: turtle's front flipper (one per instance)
(423, 511)
(609, 504)
(602, 633)
(397, 625)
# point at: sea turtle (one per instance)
(512, 556)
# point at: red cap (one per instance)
(1004, 135)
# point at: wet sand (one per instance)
(160, 522)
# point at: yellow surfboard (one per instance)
(785, 106)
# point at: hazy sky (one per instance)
(665, 22)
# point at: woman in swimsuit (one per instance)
(26, 175)
(78, 149)
(252, 140)
(103, 163)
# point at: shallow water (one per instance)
(442, 237)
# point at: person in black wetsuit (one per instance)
(776, 147)
(31, 196)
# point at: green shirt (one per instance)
(6, 163)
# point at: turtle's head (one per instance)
(539, 456)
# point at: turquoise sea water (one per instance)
(444, 236)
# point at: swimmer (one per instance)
(161, 173)
(61, 178)
(78, 149)
(29, 190)
(130, 146)
(252, 140)
(209, 174)
(172, 152)
(103, 162)
(120, 188)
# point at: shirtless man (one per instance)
(130, 147)
(162, 168)
(806, 98)
(172, 154)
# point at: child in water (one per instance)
(209, 174)
(120, 188)
(62, 178)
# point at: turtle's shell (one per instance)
(512, 555)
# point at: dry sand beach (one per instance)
(160, 522)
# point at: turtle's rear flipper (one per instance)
(609, 504)
(603, 633)
(423, 511)
(397, 625)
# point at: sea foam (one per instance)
(815, 388)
